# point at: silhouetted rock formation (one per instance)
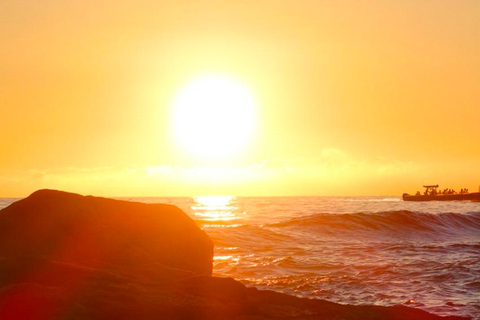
(65, 256)
(103, 233)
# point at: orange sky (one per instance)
(352, 97)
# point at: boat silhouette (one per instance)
(432, 194)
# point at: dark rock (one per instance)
(103, 233)
(222, 289)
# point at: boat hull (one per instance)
(474, 196)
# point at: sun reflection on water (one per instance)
(216, 211)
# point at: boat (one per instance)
(431, 194)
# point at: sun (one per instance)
(214, 116)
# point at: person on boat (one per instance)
(418, 193)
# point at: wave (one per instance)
(391, 221)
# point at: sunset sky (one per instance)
(345, 97)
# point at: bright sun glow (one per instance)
(214, 116)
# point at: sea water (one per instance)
(350, 250)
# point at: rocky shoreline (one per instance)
(66, 256)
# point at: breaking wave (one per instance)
(393, 222)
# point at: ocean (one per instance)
(350, 250)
